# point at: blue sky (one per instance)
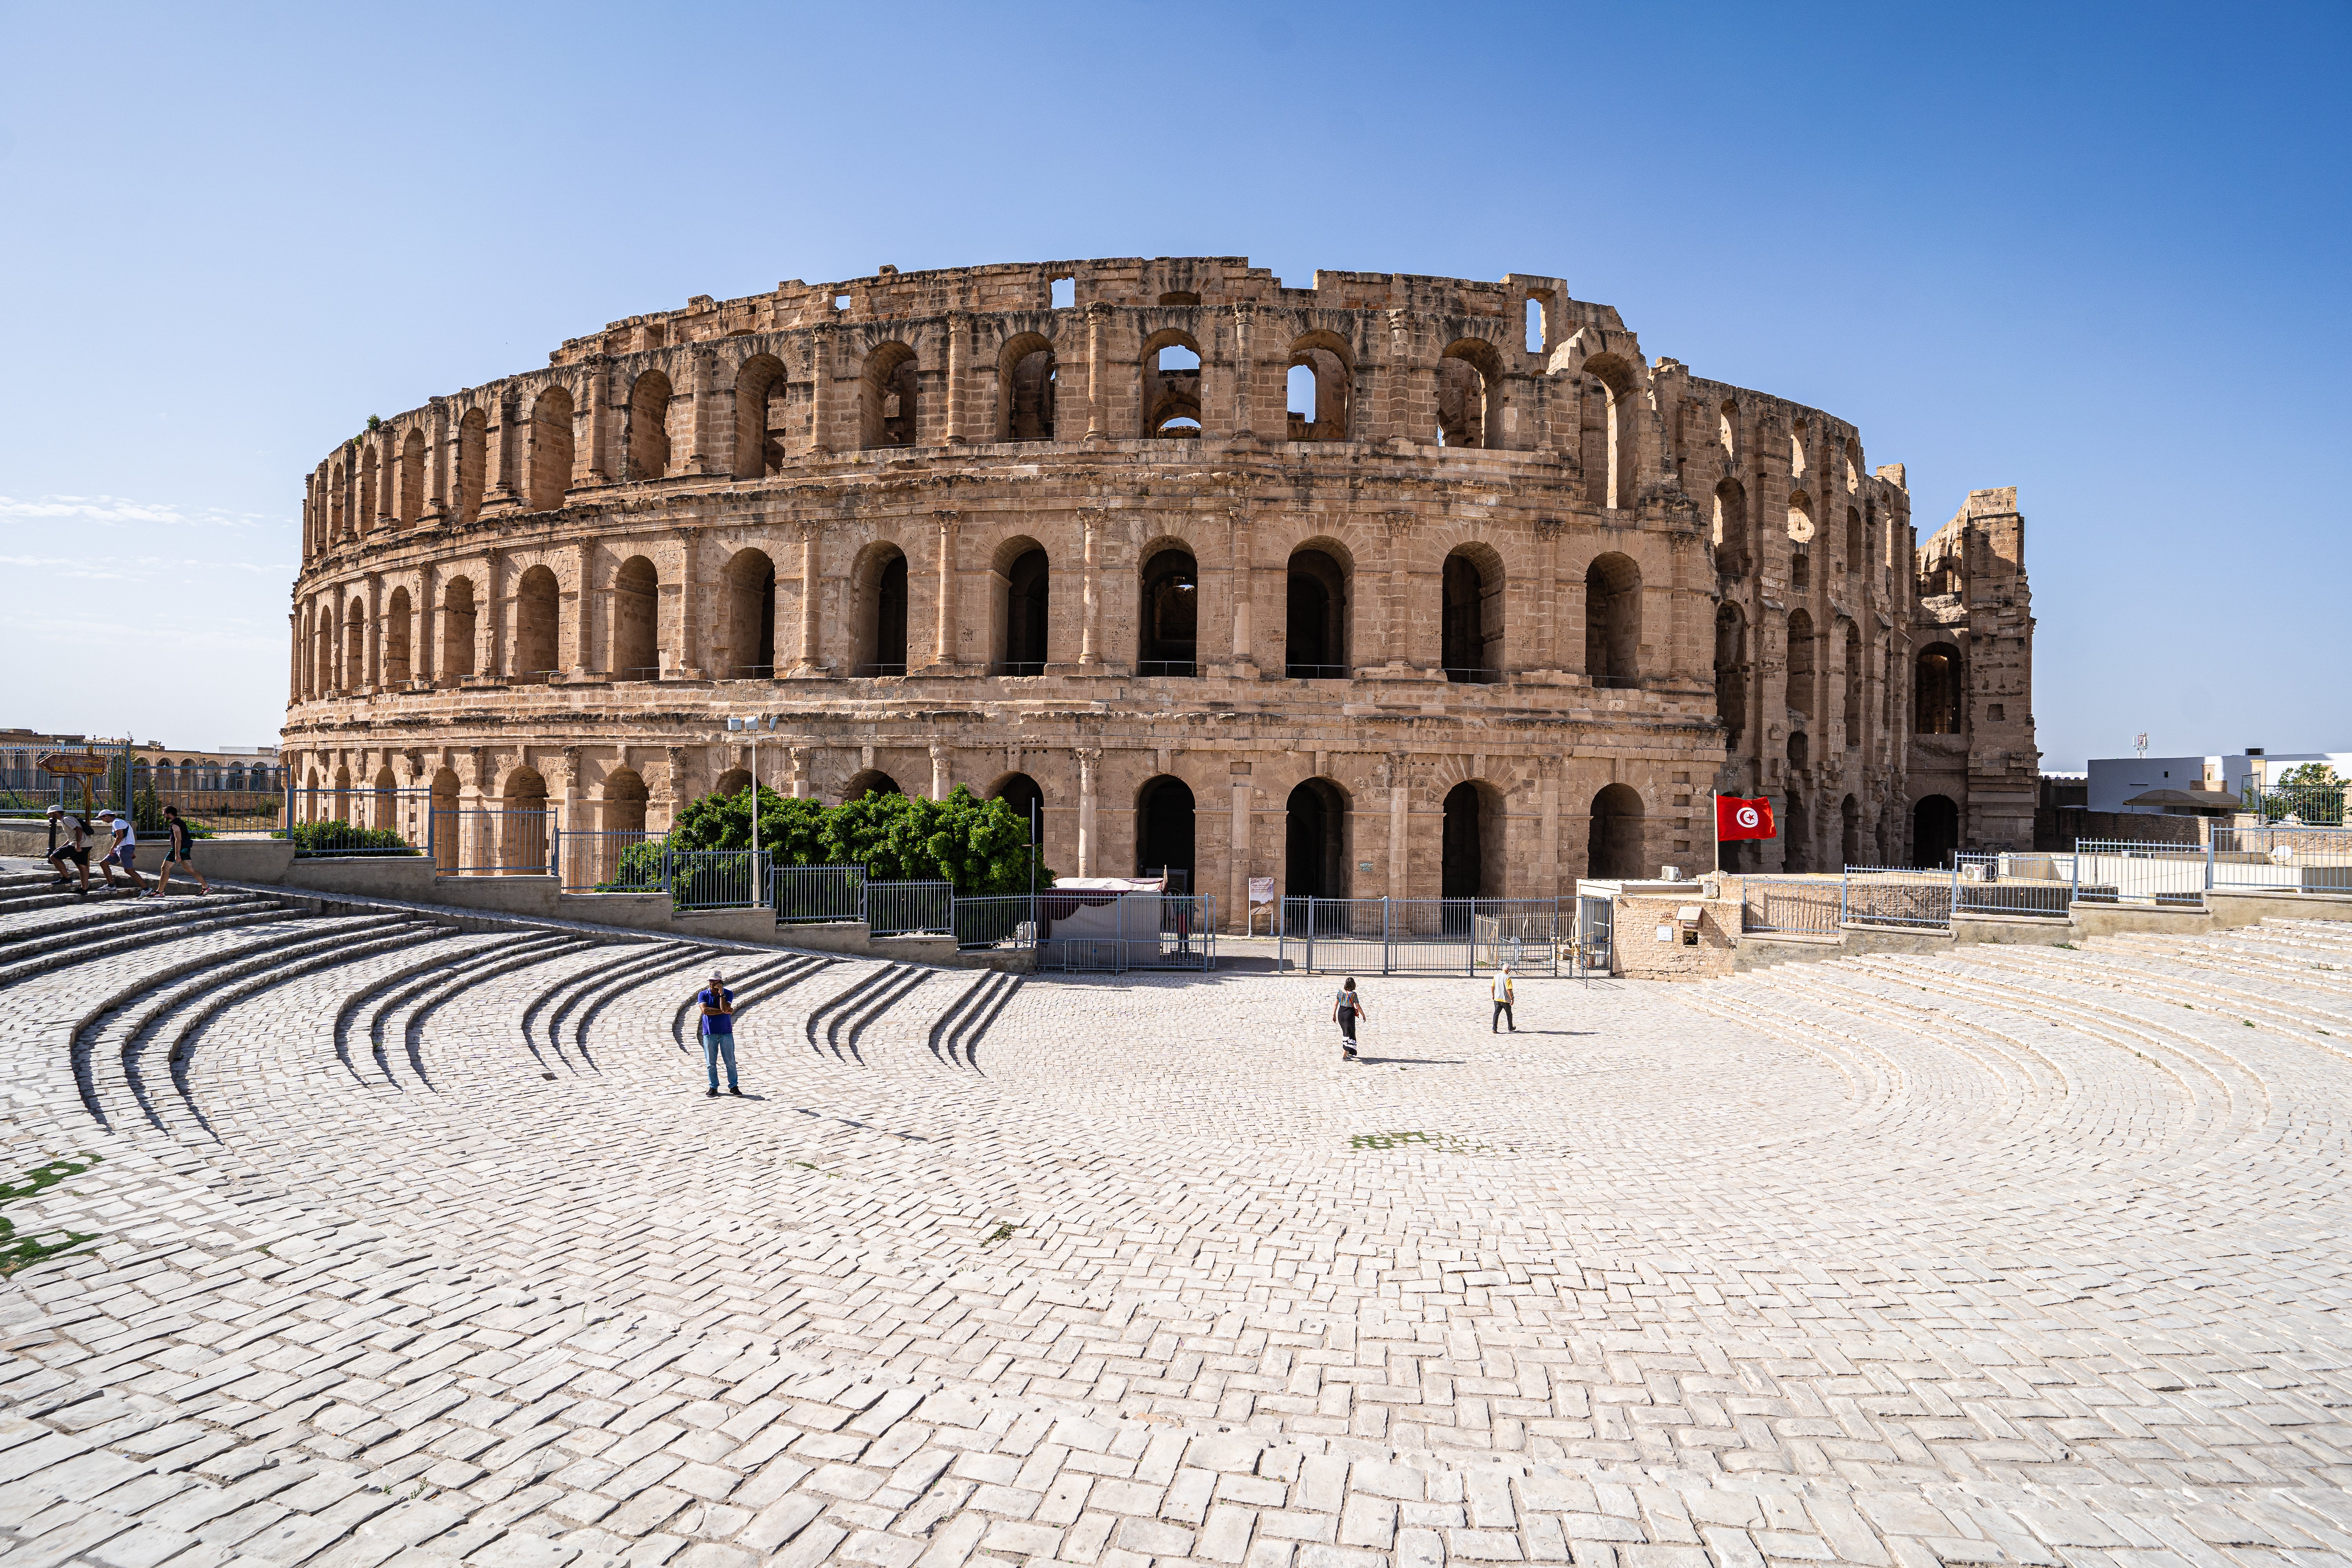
(2099, 253)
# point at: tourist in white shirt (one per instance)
(123, 851)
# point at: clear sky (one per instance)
(2099, 253)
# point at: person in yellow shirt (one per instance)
(1502, 999)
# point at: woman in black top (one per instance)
(1346, 1008)
(179, 849)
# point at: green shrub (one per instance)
(980, 845)
(336, 836)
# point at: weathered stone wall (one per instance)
(1559, 580)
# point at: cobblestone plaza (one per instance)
(406, 1244)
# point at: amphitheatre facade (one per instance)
(1395, 586)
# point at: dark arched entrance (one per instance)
(1470, 851)
(1315, 843)
(1020, 792)
(1935, 831)
(1613, 843)
(1164, 832)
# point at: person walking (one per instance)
(74, 851)
(122, 850)
(1346, 1008)
(1503, 1000)
(179, 849)
(719, 1032)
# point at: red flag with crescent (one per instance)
(1737, 818)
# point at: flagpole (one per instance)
(1715, 800)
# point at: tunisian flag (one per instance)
(1737, 818)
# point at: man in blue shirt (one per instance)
(718, 1005)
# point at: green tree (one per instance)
(2310, 791)
(982, 846)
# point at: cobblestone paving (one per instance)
(430, 1247)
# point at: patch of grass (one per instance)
(17, 1252)
(2068, 946)
(1442, 1142)
(1001, 1233)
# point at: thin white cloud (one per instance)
(111, 510)
(144, 565)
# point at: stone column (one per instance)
(1097, 406)
(374, 665)
(821, 392)
(594, 381)
(689, 642)
(810, 589)
(507, 454)
(1547, 770)
(386, 468)
(579, 654)
(943, 653)
(471, 825)
(704, 458)
(1244, 653)
(437, 464)
(942, 770)
(490, 615)
(1089, 762)
(958, 372)
(1090, 589)
(1238, 836)
(294, 670)
(797, 760)
(424, 645)
(1243, 370)
(571, 821)
(1546, 655)
(1399, 772)
(1398, 638)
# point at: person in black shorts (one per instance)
(179, 849)
(1346, 1008)
(74, 851)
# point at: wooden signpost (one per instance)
(83, 765)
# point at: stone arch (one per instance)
(877, 619)
(731, 784)
(473, 463)
(1612, 622)
(1800, 662)
(354, 645)
(1935, 831)
(1937, 691)
(411, 504)
(1333, 363)
(398, 618)
(1853, 706)
(1470, 625)
(1168, 623)
(1727, 430)
(538, 624)
(1164, 829)
(872, 781)
(621, 806)
(1020, 792)
(888, 411)
(1613, 842)
(385, 816)
(1731, 672)
(1026, 378)
(1316, 849)
(636, 621)
(1731, 529)
(1612, 447)
(1316, 603)
(647, 440)
(1172, 401)
(1472, 847)
(1020, 585)
(443, 798)
(1800, 517)
(760, 412)
(747, 632)
(551, 448)
(1470, 395)
(458, 616)
(524, 828)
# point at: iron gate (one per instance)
(1422, 936)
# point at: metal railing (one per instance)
(805, 895)
(1107, 930)
(227, 814)
(1469, 675)
(1180, 667)
(2120, 871)
(2282, 858)
(611, 861)
(901, 909)
(1900, 896)
(1018, 666)
(2013, 885)
(332, 822)
(1424, 936)
(1618, 682)
(876, 671)
(1804, 906)
(999, 922)
(716, 879)
(493, 841)
(1315, 671)
(2315, 806)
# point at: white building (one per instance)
(2114, 781)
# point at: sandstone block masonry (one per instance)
(1400, 585)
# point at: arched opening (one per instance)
(1800, 662)
(1731, 529)
(444, 820)
(878, 624)
(473, 463)
(1020, 582)
(1469, 395)
(1315, 841)
(1935, 832)
(343, 809)
(1853, 687)
(397, 620)
(731, 784)
(649, 437)
(523, 825)
(1800, 517)
(1612, 622)
(1731, 672)
(412, 478)
(1025, 383)
(637, 614)
(1329, 387)
(1800, 753)
(537, 611)
(1470, 858)
(1609, 420)
(355, 648)
(1856, 546)
(1727, 430)
(1613, 843)
(551, 448)
(458, 628)
(1799, 836)
(1020, 793)
(1470, 618)
(1171, 386)
(383, 814)
(760, 416)
(873, 781)
(1797, 455)
(339, 504)
(1164, 832)
(750, 607)
(1850, 832)
(1936, 683)
(886, 411)
(623, 809)
(1171, 613)
(1315, 631)
(1800, 572)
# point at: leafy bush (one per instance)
(336, 836)
(980, 845)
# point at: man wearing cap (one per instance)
(123, 851)
(718, 1005)
(74, 851)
